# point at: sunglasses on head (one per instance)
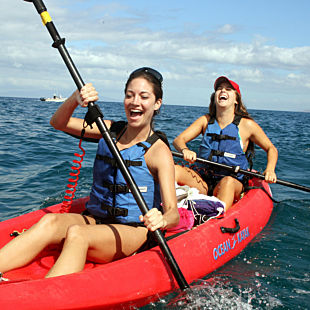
(151, 71)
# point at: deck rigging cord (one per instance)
(73, 180)
(59, 43)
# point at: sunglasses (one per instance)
(151, 71)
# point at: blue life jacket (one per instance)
(110, 196)
(223, 145)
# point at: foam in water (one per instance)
(218, 294)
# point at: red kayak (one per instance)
(138, 279)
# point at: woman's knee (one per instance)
(187, 176)
(49, 222)
(228, 180)
(178, 170)
(76, 232)
(228, 184)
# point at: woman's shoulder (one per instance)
(159, 155)
(201, 121)
(160, 145)
(158, 135)
(159, 149)
(249, 127)
(204, 118)
(248, 122)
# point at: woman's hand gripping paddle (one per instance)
(236, 169)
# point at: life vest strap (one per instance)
(116, 188)
(121, 189)
(236, 120)
(113, 162)
(217, 137)
(114, 211)
(221, 153)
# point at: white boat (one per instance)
(55, 98)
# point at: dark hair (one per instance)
(240, 110)
(148, 74)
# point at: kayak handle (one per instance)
(231, 230)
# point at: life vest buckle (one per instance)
(114, 211)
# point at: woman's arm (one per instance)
(190, 133)
(63, 120)
(258, 136)
(161, 165)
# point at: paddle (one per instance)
(96, 116)
(236, 169)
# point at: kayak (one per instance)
(141, 278)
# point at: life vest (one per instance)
(223, 145)
(110, 196)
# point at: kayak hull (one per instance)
(138, 279)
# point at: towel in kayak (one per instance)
(195, 208)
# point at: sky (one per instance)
(264, 46)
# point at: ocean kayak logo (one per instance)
(230, 243)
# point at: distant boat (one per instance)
(55, 98)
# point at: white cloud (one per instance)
(106, 47)
(227, 29)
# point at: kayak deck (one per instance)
(138, 279)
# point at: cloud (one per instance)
(226, 29)
(107, 46)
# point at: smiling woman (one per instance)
(112, 226)
(229, 134)
(144, 87)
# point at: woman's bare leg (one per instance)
(100, 243)
(228, 190)
(187, 176)
(51, 229)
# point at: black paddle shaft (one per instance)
(237, 169)
(59, 43)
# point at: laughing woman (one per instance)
(229, 134)
(112, 226)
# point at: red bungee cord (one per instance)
(73, 180)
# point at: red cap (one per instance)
(221, 79)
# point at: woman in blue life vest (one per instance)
(112, 227)
(229, 134)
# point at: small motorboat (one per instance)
(55, 98)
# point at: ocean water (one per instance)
(271, 273)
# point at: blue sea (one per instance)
(271, 273)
